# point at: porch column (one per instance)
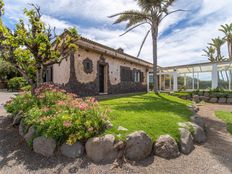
(175, 83)
(160, 81)
(148, 82)
(193, 80)
(214, 76)
(185, 80)
(230, 77)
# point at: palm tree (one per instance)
(152, 12)
(217, 44)
(227, 30)
(209, 52)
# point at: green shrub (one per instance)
(26, 88)
(16, 83)
(60, 115)
(21, 103)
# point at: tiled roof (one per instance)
(110, 49)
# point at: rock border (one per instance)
(210, 98)
(137, 146)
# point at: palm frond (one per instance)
(132, 17)
(145, 38)
(132, 28)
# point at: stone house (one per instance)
(98, 69)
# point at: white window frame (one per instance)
(137, 77)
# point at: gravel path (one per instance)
(212, 158)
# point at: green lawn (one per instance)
(227, 118)
(156, 115)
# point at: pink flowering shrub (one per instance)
(60, 115)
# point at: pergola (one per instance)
(196, 76)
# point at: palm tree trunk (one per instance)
(230, 51)
(154, 44)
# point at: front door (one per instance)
(101, 78)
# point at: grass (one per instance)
(227, 118)
(155, 114)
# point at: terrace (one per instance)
(192, 77)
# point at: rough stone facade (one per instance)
(80, 72)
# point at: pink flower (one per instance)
(83, 106)
(60, 103)
(67, 124)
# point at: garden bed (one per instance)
(133, 127)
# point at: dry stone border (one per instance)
(72, 151)
(211, 98)
(137, 146)
(166, 147)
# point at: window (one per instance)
(126, 74)
(137, 76)
(88, 65)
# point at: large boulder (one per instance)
(186, 141)
(138, 146)
(198, 134)
(204, 98)
(222, 100)
(229, 101)
(44, 146)
(196, 98)
(197, 131)
(206, 94)
(198, 120)
(101, 149)
(21, 128)
(72, 151)
(213, 100)
(166, 147)
(194, 108)
(17, 119)
(30, 134)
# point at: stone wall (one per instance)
(210, 97)
(79, 74)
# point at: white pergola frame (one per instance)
(214, 68)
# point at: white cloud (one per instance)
(53, 22)
(183, 46)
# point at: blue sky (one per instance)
(182, 36)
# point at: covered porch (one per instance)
(192, 77)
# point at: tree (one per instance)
(227, 30)
(209, 52)
(152, 12)
(217, 44)
(7, 71)
(32, 48)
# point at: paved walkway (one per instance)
(215, 157)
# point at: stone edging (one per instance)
(207, 98)
(138, 145)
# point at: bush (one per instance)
(60, 115)
(26, 88)
(16, 83)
